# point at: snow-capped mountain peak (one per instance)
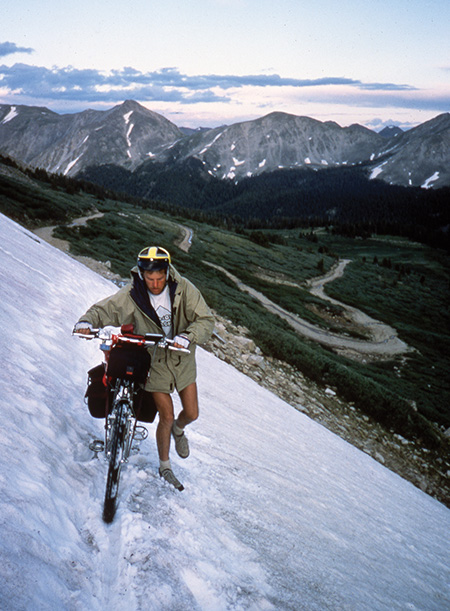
(129, 135)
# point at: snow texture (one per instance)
(130, 126)
(377, 171)
(11, 115)
(278, 512)
(427, 184)
(71, 164)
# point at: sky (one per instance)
(278, 513)
(214, 62)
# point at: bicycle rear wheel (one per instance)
(115, 463)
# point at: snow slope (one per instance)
(278, 513)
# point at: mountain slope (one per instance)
(124, 136)
(420, 157)
(391, 131)
(278, 513)
(278, 140)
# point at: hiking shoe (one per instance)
(181, 444)
(168, 475)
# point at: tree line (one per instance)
(342, 199)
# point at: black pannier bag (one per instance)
(129, 363)
(144, 406)
(97, 395)
(96, 392)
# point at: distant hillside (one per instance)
(341, 197)
(33, 198)
(419, 157)
(125, 136)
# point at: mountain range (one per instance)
(132, 137)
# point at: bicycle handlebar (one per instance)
(111, 338)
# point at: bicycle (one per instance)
(128, 365)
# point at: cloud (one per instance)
(162, 85)
(9, 48)
(89, 85)
(70, 86)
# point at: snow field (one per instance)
(278, 513)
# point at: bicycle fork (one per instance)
(121, 418)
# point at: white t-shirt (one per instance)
(162, 307)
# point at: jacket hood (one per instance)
(139, 292)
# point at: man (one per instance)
(161, 300)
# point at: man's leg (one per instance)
(163, 431)
(189, 401)
(164, 406)
(188, 414)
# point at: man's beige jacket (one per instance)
(190, 316)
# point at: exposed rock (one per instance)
(124, 136)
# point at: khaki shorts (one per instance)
(171, 371)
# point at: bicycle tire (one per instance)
(115, 464)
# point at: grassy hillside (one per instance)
(399, 282)
(33, 200)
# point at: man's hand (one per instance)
(82, 331)
(181, 341)
(82, 328)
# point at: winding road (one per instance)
(384, 342)
(186, 240)
(46, 233)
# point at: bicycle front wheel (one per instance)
(115, 464)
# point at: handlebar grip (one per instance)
(91, 335)
(185, 350)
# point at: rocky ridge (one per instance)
(278, 140)
(123, 136)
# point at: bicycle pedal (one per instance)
(97, 445)
(140, 433)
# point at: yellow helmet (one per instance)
(153, 258)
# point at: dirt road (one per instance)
(186, 241)
(384, 342)
(46, 234)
